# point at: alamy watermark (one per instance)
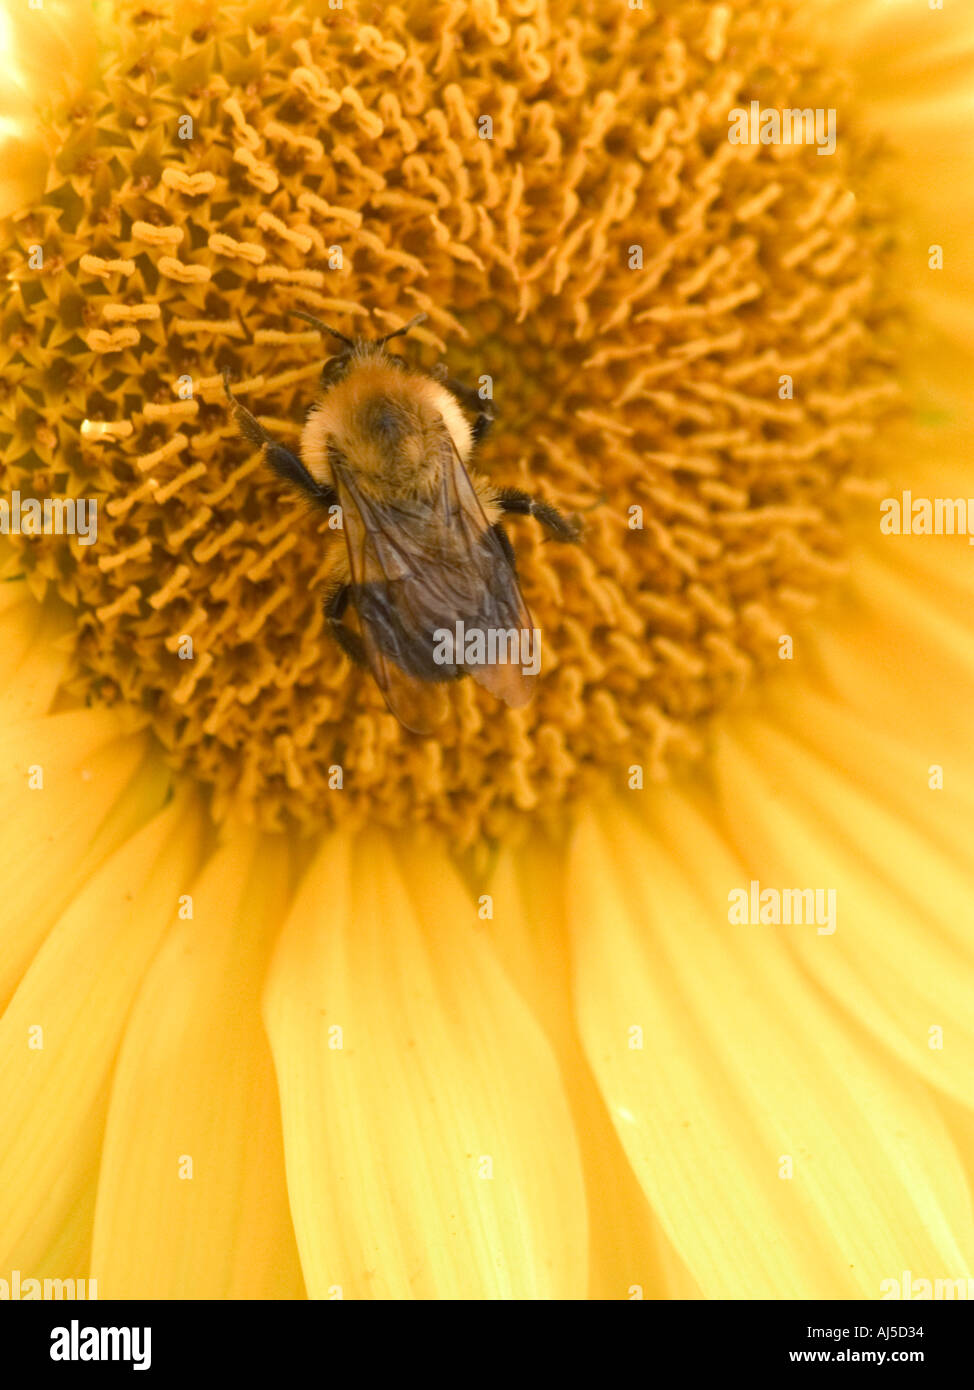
(492, 646)
(50, 516)
(907, 515)
(20, 1289)
(909, 1287)
(754, 125)
(77, 1343)
(754, 905)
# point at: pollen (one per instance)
(688, 341)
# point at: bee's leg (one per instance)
(505, 544)
(518, 503)
(286, 465)
(336, 602)
(483, 410)
(482, 424)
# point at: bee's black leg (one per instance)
(336, 602)
(286, 465)
(505, 544)
(483, 410)
(518, 503)
(481, 425)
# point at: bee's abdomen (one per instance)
(410, 648)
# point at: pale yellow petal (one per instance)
(743, 1065)
(630, 1255)
(900, 958)
(911, 67)
(91, 790)
(35, 655)
(78, 992)
(192, 1201)
(431, 1154)
(900, 649)
(900, 771)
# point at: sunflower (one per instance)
(296, 1004)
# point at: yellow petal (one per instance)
(33, 661)
(192, 1201)
(94, 795)
(911, 67)
(901, 649)
(895, 770)
(743, 1065)
(78, 991)
(900, 958)
(630, 1255)
(431, 1154)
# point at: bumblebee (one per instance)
(425, 552)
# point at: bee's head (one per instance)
(336, 367)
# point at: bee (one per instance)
(425, 554)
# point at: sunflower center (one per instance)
(685, 338)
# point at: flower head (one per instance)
(687, 339)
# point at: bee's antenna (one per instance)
(321, 327)
(419, 318)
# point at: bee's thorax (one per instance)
(391, 425)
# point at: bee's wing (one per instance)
(492, 591)
(374, 549)
(417, 569)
